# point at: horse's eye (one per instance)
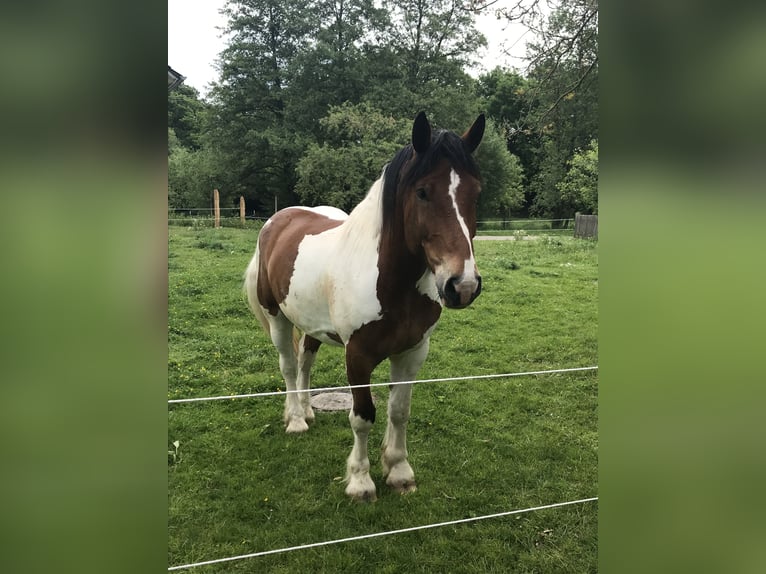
(421, 194)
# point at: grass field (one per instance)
(238, 484)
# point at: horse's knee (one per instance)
(398, 414)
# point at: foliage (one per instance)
(429, 33)
(333, 68)
(502, 176)
(185, 115)
(502, 94)
(564, 80)
(358, 142)
(292, 68)
(191, 175)
(580, 185)
(241, 485)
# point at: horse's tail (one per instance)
(250, 287)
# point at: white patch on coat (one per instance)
(334, 286)
(427, 286)
(360, 485)
(326, 210)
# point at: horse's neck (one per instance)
(365, 228)
(365, 222)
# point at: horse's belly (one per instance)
(311, 316)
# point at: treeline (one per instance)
(315, 96)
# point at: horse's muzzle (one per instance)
(460, 291)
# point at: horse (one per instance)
(373, 281)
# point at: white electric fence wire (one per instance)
(378, 534)
(330, 389)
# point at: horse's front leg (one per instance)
(396, 468)
(359, 483)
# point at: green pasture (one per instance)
(238, 484)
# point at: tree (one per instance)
(502, 176)
(250, 135)
(331, 70)
(185, 115)
(191, 176)
(265, 37)
(358, 141)
(429, 33)
(579, 188)
(568, 34)
(562, 95)
(506, 98)
(191, 166)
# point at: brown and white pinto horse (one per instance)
(375, 282)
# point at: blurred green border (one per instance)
(682, 300)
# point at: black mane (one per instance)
(444, 145)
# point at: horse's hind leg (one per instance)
(281, 331)
(307, 353)
(396, 468)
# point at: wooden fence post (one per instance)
(586, 225)
(242, 209)
(216, 208)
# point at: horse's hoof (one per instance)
(404, 487)
(296, 426)
(360, 492)
(367, 496)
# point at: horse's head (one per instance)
(439, 190)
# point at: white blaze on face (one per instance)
(469, 269)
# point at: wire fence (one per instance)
(379, 534)
(388, 532)
(386, 384)
(203, 217)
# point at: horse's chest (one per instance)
(403, 326)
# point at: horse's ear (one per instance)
(472, 137)
(421, 133)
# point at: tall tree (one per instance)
(265, 36)
(331, 70)
(564, 61)
(502, 191)
(358, 141)
(185, 115)
(256, 148)
(561, 112)
(428, 34)
(505, 97)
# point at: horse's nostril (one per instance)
(449, 287)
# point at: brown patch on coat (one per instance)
(310, 344)
(278, 243)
